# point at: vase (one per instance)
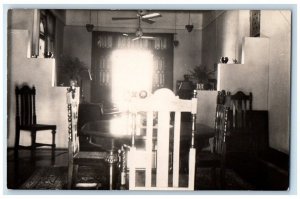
(224, 60)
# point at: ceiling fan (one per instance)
(139, 33)
(141, 15)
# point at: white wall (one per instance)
(276, 25)
(51, 105)
(187, 54)
(219, 36)
(206, 107)
(78, 43)
(252, 75)
(223, 33)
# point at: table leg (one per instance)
(122, 165)
(111, 159)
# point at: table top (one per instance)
(118, 128)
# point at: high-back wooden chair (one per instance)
(241, 103)
(76, 157)
(243, 134)
(156, 165)
(87, 112)
(216, 158)
(26, 118)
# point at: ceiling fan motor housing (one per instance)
(141, 12)
(139, 32)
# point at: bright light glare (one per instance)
(120, 125)
(131, 73)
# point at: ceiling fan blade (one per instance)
(136, 38)
(123, 18)
(147, 37)
(148, 21)
(151, 16)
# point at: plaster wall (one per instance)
(223, 32)
(206, 107)
(278, 30)
(51, 105)
(275, 97)
(19, 19)
(252, 76)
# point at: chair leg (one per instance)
(222, 174)
(222, 177)
(33, 147)
(70, 174)
(33, 140)
(53, 139)
(75, 173)
(17, 139)
(214, 176)
(53, 146)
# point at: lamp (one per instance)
(35, 34)
(175, 42)
(90, 26)
(84, 75)
(49, 40)
(189, 27)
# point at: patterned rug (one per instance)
(47, 178)
(55, 178)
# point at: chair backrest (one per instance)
(151, 120)
(240, 103)
(25, 105)
(221, 123)
(73, 103)
(89, 112)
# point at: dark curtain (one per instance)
(104, 43)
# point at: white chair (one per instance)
(155, 164)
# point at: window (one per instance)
(46, 34)
(118, 58)
(131, 73)
(255, 23)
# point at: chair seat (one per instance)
(83, 157)
(39, 127)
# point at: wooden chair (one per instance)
(155, 166)
(88, 112)
(76, 156)
(216, 158)
(26, 119)
(243, 135)
(240, 103)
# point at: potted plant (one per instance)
(70, 70)
(200, 74)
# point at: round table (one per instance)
(105, 133)
(113, 133)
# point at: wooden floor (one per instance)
(20, 168)
(264, 176)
